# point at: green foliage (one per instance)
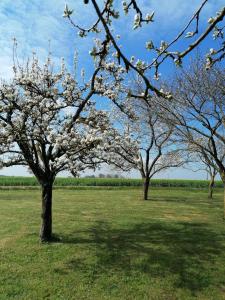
(107, 182)
(170, 248)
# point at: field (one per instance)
(112, 245)
(105, 182)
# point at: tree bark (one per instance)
(211, 187)
(46, 226)
(224, 200)
(146, 188)
(222, 175)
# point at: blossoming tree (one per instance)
(49, 123)
(108, 14)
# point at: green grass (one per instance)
(9, 181)
(113, 245)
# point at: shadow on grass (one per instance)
(168, 199)
(186, 251)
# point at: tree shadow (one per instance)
(163, 199)
(186, 250)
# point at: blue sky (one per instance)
(37, 24)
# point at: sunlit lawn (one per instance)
(113, 245)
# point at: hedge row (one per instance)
(31, 181)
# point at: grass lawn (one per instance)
(113, 245)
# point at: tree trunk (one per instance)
(222, 175)
(146, 187)
(46, 226)
(211, 187)
(224, 200)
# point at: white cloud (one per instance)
(6, 68)
(34, 24)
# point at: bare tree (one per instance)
(211, 170)
(199, 155)
(48, 123)
(144, 143)
(197, 112)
